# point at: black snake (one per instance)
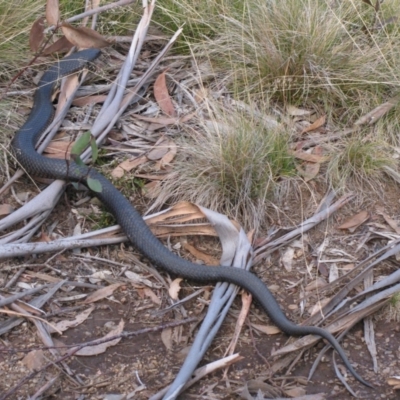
(128, 217)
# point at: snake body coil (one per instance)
(128, 217)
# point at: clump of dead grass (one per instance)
(358, 162)
(232, 164)
(200, 20)
(16, 18)
(338, 57)
(302, 52)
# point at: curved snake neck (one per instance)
(128, 217)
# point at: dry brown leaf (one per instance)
(5, 209)
(116, 135)
(259, 386)
(391, 222)
(348, 267)
(70, 83)
(127, 166)
(162, 96)
(29, 308)
(180, 213)
(312, 168)
(102, 293)
(62, 45)
(183, 211)
(174, 288)
(166, 337)
(140, 292)
(79, 319)
(89, 100)
(355, 221)
(118, 172)
(34, 360)
(152, 189)
(394, 381)
(311, 171)
(153, 297)
(83, 37)
(267, 329)
(315, 158)
(52, 12)
(170, 155)
(59, 149)
(138, 279)
(43, 276)
(316, 284)
(287, 258)
(101, 348)
(159, 150)
(315, 125)
(36, 34)
(378, 112)
(23, 196)
(297, 112)
(152, 127)
(165, 231)
(162, 121)
(56, 146)
(206, 258)
(295, 392)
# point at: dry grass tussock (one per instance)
(200, 20)
(232, 163)
(336, 58)
(314, 53)
(16, 18)
(357, 163)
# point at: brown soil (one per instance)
(145, 359)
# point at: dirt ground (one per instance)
(144, 364)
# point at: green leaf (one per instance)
(94, 184)
(95, 149)
(77, 160)
(81, 144)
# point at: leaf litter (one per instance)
(169, 224)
